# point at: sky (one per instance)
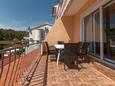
(20, 14)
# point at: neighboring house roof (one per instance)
(38, 27)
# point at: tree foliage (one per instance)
(9, 34)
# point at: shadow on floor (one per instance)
(76, 64)
(39, 76)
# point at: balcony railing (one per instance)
(16, 64)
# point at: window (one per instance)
(96, 33)
(109, 31)
(93, 35)
(92, 32)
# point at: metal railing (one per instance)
(15, 63)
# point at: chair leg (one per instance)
(87, 59)
(77, 61)
(65, 67)
(56, 56)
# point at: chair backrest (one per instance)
(46, 47)
(60, 42)
(84, 47)
(71, 47)
(80, 47)
(49, 49)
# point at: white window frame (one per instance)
(94, 29)
(101, 34)
(88, 12)
(82, 30)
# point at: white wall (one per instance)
(36, 34)
(39, 33)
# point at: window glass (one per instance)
(109, 31)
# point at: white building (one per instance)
(38, 33)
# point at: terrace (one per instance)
(33, 69)
(76, 21)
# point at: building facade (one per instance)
(90, 21)
(38, 33)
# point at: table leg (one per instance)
(58, 56)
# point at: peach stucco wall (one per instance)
(76, 28)
(67, 28)
(61, 31)
(76, 20)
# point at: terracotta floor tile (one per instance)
(57, 76)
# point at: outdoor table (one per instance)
(59, 47)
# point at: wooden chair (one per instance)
(51, 50)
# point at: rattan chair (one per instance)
(83, 51)
(69, 55)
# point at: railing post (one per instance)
(16, 71)
(16, 66)
(9, 62)
(2, 67)
(13, 69)
(41, 48)
(19, 69)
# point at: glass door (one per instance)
(109, 31)
(92, 33)
(88, 32)
(96, 33)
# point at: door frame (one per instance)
(92, 9)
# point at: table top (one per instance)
(59, 46)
